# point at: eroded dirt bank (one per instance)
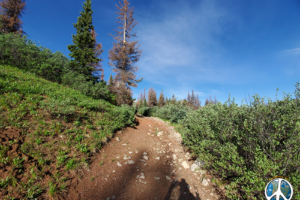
(138, 163)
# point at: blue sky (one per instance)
(214, 47)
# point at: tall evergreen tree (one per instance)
(189, 99)
(111, 81)
(98, 51)
(193, 98)
(124, 53)
(11, 11)
(141, 101)
(83, 49)
(152, 100)
(161, 101)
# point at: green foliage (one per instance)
(84, 44)
(24, 54)
(78, 81)
(144, 111)
(247, 145)
(181, 114)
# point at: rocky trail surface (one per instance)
(144, 162)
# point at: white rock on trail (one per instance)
(174, 156)
(157, 158)
(180, 160)
(119, 164)
(126, 157)
(131, 162)
(197, 165)
(205, 182)
(160, 133)
(146, 157)
(168, 178)
(156, 178)
(185, 165)
(145, 153)
(142, 176)
(118, 139)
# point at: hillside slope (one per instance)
(46, 131)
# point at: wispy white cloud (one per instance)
(183, 46)
(295, 51)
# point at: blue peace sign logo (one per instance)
(279, 189)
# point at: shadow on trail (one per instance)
(185, 193)
(126, 185)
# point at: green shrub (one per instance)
(24, 54)
(247, 145)
(144, 111)
(78, 81)
(178, 116)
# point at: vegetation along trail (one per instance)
(143, 162)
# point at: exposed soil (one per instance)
(105, 179)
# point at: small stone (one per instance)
(168, 178)
(185, 165)
(174, 156)
(136, 151)
(126, 157)
(142, 160)
(170, 144)
(118, 139)
(145, 153)
(149, 125)
(114, 170)
(156, 178)
(157, 158)
(130, 152)
(205, 182)
(130, 162)
(142, 181)
(180, 160)
(145, 157)
(137, 176)
(149, 133)
(142, 176)
(160, 133)
(119, 164)
(211, 194)
(124, 144)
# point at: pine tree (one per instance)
(111, 82)
(161, 101)
(83, 49)
(124, 53)
(11, 11)
(206, 102)
(141, 101)
(152, 100)
(189, 99)
(193, 98)
(137, 103)
(98, 51)
(215, 100)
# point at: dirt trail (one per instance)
(163, 176)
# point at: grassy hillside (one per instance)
(47, 131)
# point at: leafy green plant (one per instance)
(71, 164)
(82, 147)
(17, 162)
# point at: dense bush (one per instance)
(247, 145)
(181, 114)
(125, 115)
(145, 111)
(95, 90)
(170, 111)
(24, 54)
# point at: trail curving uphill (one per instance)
(143, 162)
